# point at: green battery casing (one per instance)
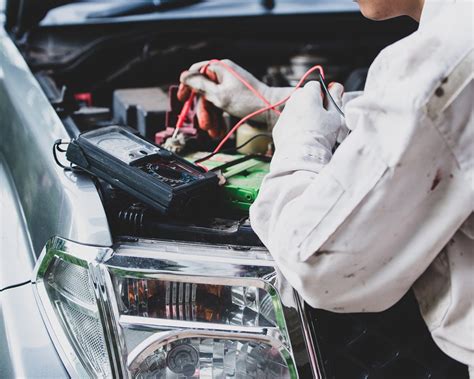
(243, 180)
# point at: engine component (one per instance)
(243, 174)
(140, 221)
(154, 175)
(258, 145)
(175, 144)
(187, 132)
(88, 118)
(300, 64)
(289, 75)
(141, 108)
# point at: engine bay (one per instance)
(242, 164)
(131, 80)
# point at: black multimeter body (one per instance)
(154, 175)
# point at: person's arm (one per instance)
(221, 90)
(354, 234)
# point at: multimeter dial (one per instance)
(172, 175)
(123, 147)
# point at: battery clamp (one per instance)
(152, 174)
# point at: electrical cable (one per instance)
(230, 150)
(188, 104)
(242, 80)
(273, 107)
(56, 148)
(14, 286)
(328, 94)
(241, 146)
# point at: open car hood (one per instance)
(21, 15)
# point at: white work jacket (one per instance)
(393, 208)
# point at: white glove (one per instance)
(232, 95)
(306, 132)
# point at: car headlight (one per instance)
(70, 302)
(167, 310)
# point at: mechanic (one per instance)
(392, 208)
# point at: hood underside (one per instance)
(21, 15)
(24, 15)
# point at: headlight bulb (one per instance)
(183, 359)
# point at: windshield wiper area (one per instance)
(141, 7)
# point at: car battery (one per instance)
(243, 174)
(141, 108)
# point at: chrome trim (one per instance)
(84, 254)
(165, 324)
(114, 334)
(147, 249)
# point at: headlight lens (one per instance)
(190, 301)
(164, 310)
(71, 302)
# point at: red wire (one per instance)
(241, 79)
(183, 115)
(187, 106)
(271, 106)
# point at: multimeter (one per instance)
(154, 175)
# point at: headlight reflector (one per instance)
(200, 302)
(203, 356)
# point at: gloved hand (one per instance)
(306, 131)
(221, 88)
(209, 117)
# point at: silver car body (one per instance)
(38, 200)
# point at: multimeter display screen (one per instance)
(125, 147)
